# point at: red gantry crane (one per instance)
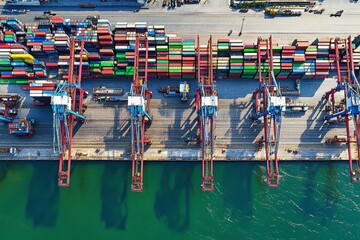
(340, 85)
(139, 107)
(206, 107)
(269, 105)
(67, 105)
(351, 87)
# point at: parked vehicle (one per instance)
(88, 5)
(337, 14)
(51, 13)
(319, 11)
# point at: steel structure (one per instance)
(67, 105)
(351, 87)
(340, 85)
(206, 106)
(269, 105)
(139, 107)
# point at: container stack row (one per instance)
(110, 52)
(17, 64)
(175, 57)
(236, 58)
(223, 58)
(162, 53)
(40, 89)
(188, 68)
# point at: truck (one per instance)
(182, 90)
(42, 17)
(104, 94)
(285, 91)
(193, 140)
(319, 11)
(337, 14)
(296, 107)
(336, 139)
(275, 11)
(22, 128)
(10, 103)
(87, 5)
(93, 18)
(122, 98)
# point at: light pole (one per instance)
(242, 25)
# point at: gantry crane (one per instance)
(269, 105)
(139, 107)
(206, 107)
(67, 105)
(351, 89)
(340, 85)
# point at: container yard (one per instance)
(95, 89)
(187, 121)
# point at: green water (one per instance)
(313, 201)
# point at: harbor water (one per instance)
(315, 200)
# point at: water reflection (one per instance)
(238, 189)
(115, 184)
(172, 201)
(43, 199)
(320, 192)
(4, 167)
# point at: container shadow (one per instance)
(172, 201)
(114, 189)
(237, 190)
(320, 200)
(43, 199)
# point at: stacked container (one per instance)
(175, 57)
(152, 52)
(62, 41)
(223, 58)
(40, 89)
(322, 66)
(356, 56)
(236, 58)
(121, 47)
(188, 58)
(12, 23)
(250, 61)
(287, 59)
(299, 66)
(1, 33)
(104, 32)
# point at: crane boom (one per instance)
(269, 105)
(206, 106)
(65, 112)
(139, 107)
(350, 85)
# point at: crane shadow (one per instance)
(114, 189)
(119, 134)
(316, 128)
(321, 207)
(242, 130)
(172, 201)
(4, 168)
(238, 189)
(43, 199)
